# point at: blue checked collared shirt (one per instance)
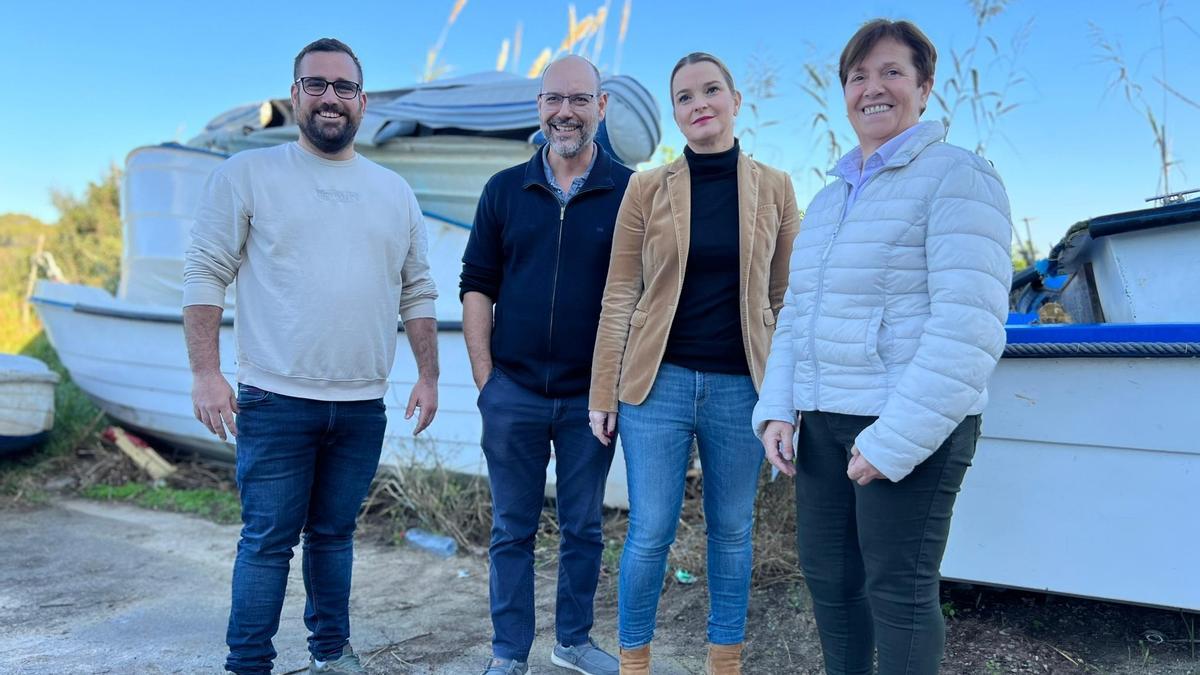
(573, 189)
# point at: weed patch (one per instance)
(220, 506)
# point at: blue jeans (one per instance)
(519, 427)
(302, 465)
(714, 409)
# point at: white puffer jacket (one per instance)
(898, 310)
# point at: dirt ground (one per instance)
(103, 587)
(89, 587)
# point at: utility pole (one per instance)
(1027, 250)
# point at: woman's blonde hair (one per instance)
(697, 57)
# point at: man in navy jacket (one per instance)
(538, 258)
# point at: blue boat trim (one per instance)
(15, 443)
(1170, 340)
(1024, 277)
(53, 303)
(1104, 332)
(1145, 219)
(456, 223)
(157, 317)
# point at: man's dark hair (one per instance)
(326, 45)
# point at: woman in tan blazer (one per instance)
(697, 276)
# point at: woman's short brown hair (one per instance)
(697, 57)
(924, 56)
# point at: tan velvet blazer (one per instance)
(649, 259)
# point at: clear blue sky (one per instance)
(90, 81)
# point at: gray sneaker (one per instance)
(505, 667)
(346, 664)
(586, 658)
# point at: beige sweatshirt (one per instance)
(326, 254)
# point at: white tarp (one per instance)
(497, 104)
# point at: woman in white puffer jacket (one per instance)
(892, 324)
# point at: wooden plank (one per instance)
(140, 452)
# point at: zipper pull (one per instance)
(562, 213)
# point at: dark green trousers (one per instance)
(870, 555)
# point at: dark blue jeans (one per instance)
(519, 427)
(302, 466)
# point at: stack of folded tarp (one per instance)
(491, 104)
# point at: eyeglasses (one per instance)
(554, 100)
(316, 86)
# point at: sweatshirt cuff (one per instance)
(199, 293)
(423, 309)
(471, 285)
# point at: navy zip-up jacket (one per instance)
(544, 266)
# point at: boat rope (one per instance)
(1085, 349)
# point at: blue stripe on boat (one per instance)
(1104, 332)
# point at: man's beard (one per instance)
(329, 139)
(570, 148)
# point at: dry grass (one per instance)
(984, 76)
(434, 68)
(774, 533)
(459, 506)
(1124, 78)
(435, 499)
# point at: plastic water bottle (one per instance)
(439, 545)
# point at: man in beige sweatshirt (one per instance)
(327, 249)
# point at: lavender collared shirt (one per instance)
(854, 171)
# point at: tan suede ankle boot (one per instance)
(635, 661)
(723, 660)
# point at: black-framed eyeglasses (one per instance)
(552, 99)
(316, 86)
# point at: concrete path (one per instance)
(88, 587)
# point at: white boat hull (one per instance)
(1085, 481)
(136, 370)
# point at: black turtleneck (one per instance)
(707, 332)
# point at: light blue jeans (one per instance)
(714, 409)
